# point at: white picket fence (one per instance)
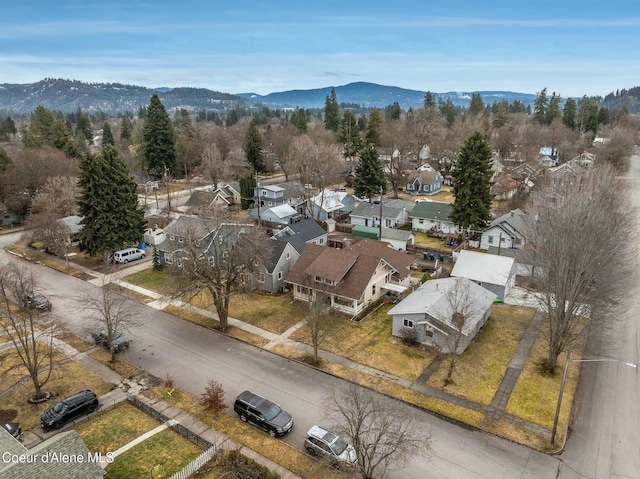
(196, 464)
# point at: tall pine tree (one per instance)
(370, 179)
(373, 127)
(108, 204)
(349, 134)
(331, 112)
(159, 139)
(472, 184)
(252, 147)
(107, 135)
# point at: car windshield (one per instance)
(272, 412)
(60, 407)
(338, 446)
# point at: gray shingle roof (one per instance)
(432, 210)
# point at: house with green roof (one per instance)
(432, 216)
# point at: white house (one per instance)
(495, 273)
(432, 216)
(506, 231)
(428, 313)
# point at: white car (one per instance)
(419, 200)
(329, 446)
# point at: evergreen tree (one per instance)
(331, 112)
(569, 113)
(540, 107)
(372, 135)
(472, 184)
(429, 100)
(553, 113)
(476, 105)
(108, 203)
(107, 136)
(83, 124)
(349, 134)
(370, 179)
(252, 147)
(45, 128)
(587, 117)
(299, 119)
(155, 261)
(247, 184)
(448, 110)
(126, 128)
(393, 112)
(159, 139)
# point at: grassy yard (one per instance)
(112, 429)
(370, 342)
(273, 313)
(535, 395)
(166, 448)
(66, 379)
(122, 367)
(158, 281)
(426, 241)
(482, 366)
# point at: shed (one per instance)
(495, 273)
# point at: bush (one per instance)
(212, 398)
(409, 336)
(425, 277)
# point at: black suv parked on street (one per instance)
(84, 402)
(263, 413)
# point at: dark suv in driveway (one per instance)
(83, 402)
(263, 413)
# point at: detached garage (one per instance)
(492, 272)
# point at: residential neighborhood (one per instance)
(290, 262)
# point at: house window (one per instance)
(180, 239)
(264, 192)
(421, 221)
(318, 279)
(172, 238)
(407, 323)
(168, 258)
(288, 256)
(373, 289)
(490, 239)
(279, 274)
(321, 241)
(261, 277)
(428, 330)
(211, 261)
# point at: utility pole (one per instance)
(380, 232)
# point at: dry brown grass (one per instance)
(193, 316)
(272, 313)
(128, 293)
(110, 430)
(122, 367)
(481, 368)
(370, 342)
(75, 341)
(14, 370)
(65, 380)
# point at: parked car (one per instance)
(101, 337)
(13, 428)
(263, 413)
(36, 300)
(128, 254)
(83, 402)
(329, 446)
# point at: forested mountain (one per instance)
(69, 95)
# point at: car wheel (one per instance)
(56, 425)
(312, 451)
(142, 257)
(272, 432)
(92, 408)
(243, 418)
(125, 261)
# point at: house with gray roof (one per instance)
(428, 313)
(330, 204)
(394, 213)
(275, 267)
(72, 227)
(432, 216)
(279, 215)
(424, 181)
(506, 231)
(398, 239)
(47, 458)
(301, 233)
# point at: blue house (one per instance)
(425, 181)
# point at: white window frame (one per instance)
(168, 258)
(408, 323)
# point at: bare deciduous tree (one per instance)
(33, 345)
(381, 430)
(111, 312)
(578, 234)
(222, 263)
(317, 320)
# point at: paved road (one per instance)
(605, 442)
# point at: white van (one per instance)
(128, 254)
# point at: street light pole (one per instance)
(564, 378)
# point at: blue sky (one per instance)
(572, 47)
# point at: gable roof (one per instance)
(431, 299)
(293, 189)
(72, 223)
(330, 200)
(351, 267)
(432, 210)
(484, 268)
(282, 211)
(201, 198)
(299, 233)
(193, 226)
(271, 261)
(390, 209)
(514, 220)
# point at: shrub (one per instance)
(212, 398)
(409, 336)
